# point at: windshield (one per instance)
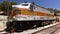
(24, 4)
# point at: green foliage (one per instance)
(6, 6)
(53, 10)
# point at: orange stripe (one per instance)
(32, 13)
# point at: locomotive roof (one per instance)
(29, 3)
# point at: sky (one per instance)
(55, 4)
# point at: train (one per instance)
(27, 16)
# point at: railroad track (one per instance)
(52, 29)
(49, 30)
(55, 31)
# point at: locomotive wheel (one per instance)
(9, 26)
(20, 26)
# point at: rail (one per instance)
(47, 28)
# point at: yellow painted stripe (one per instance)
(29, 12)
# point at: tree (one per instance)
(6, 6)
(0, 7)
(53, 10)
(50, 9)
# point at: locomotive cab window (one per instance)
(31, 7)
(24, 4)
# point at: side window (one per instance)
(34, 7)
(31, 7)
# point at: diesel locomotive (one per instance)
(28, 15)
